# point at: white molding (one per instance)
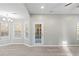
(52, 45)
(16, 43)
(37, 45)
(10, 44)
(28, 45)
(22, 43)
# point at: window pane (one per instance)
(4, 29)
(18, 30)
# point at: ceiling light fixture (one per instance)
(11, 20)
(68, 4)
(42, 7)
(3, 19)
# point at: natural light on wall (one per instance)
(65, 43)
(77, 31)
(66, 48)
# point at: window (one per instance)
(18, 29)
(4, 29)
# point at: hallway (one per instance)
(22, 50)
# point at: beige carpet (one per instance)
(22, 50)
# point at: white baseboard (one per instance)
(15, 43)
(10, 44)
(37, 45)
(52, 45)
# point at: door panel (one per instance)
(38, 34)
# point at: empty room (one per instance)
(39, 29)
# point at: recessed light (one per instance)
(42, 7)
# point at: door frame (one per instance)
(42, 40)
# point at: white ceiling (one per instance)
(52, 8)
(14, 10)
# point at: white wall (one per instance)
(57, 28)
